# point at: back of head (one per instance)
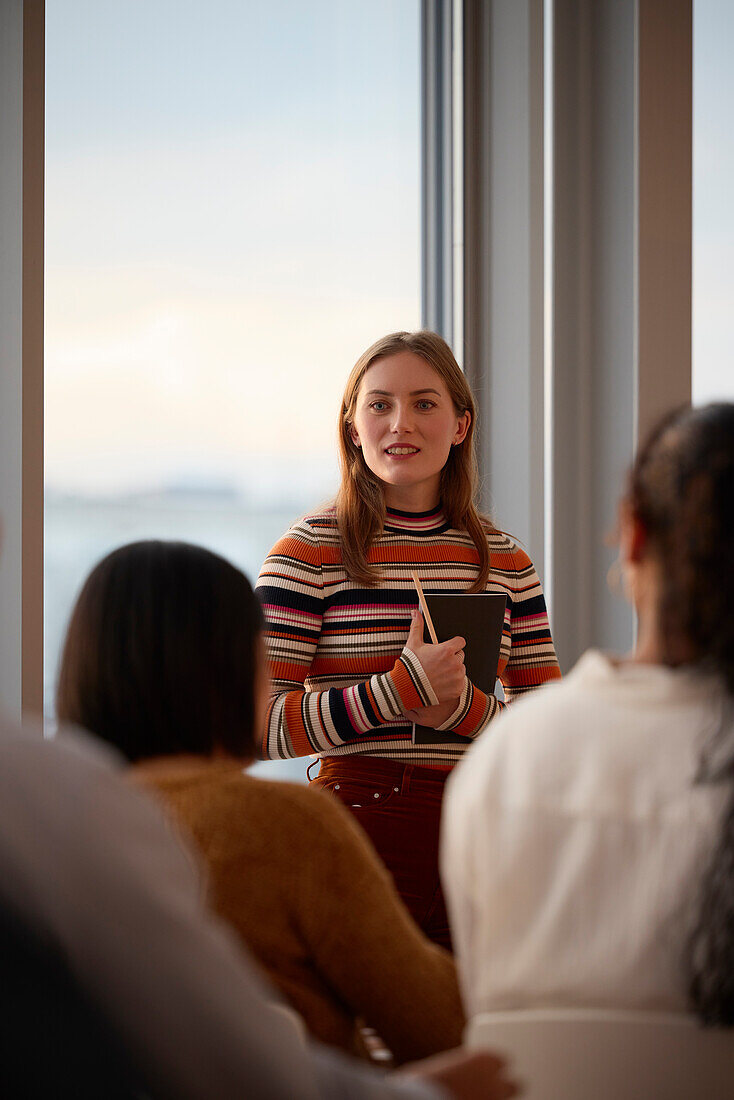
(161, 653)
(681, 488)
(682, 491)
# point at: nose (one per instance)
(402, 420)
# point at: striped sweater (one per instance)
(342, 675)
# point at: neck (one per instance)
(412, 498)
(183, 761)
(645, 593)
(648, 648)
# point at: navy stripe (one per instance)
(534, 605)
(340, 715)
(390, 597)
(372, 717)
(412, 515)
(533, 636)
(290, 600)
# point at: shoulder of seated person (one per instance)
(311, 808)
(529, 728)
(216, 795)
(231, 779)
(573, 744)
(304, 799)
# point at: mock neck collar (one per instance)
(415, 522)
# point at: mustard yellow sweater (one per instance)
(293, 873)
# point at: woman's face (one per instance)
(405, 422)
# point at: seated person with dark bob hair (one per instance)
(164, 659)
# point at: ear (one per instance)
(463, 427)
(632, 537)
(354, 436)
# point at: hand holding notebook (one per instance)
(442, 663)
(476, 617)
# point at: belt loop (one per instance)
(316, 760)
(407, 773)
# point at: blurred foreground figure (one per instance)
(102, 902)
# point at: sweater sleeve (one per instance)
(532, 657)
(365, 943)
(300, 722)
(532, 661)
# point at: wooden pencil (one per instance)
(424, 606)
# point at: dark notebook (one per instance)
(479, 618)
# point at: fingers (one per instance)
(443, 664)
(415, 634)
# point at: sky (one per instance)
(232, 216)
(713, 209)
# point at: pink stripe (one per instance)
(353, 711)
(350, 609)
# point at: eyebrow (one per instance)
(413, 393)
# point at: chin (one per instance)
(401, 477)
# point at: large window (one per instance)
(232, 216)
(713, 209)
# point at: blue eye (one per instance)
(378, 406)
(424, 406)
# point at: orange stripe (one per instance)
(300, 549)
(296, 730)
(279, 670)
(444, 555)
(476, 710)
(371, 698)
(299, 637)
(362, 665)
(406, 689)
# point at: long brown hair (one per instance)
(360, 503)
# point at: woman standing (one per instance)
(349, 666)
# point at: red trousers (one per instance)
(399, 807)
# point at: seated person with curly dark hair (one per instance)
(164, 659)
(608, 799)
